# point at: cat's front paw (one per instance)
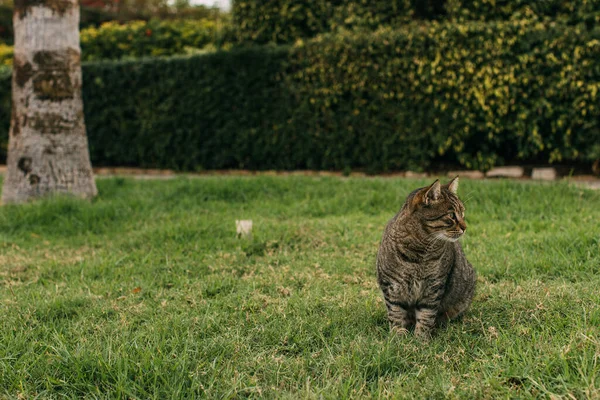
(424, 334)
(398, 330)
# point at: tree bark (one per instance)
(48, 148)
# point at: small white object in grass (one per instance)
(243, 227)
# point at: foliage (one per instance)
(479, 93)
(147, 293)
(475, 94)
(5, 110)
(94, 17)
(586, 11)
(126, 12)
(209, 111)
(181, 9)
(6, 54)
(89, 17)
(114, 40)
(6, 31)
(285, 21)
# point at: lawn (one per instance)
(147, 293)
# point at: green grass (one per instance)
(147, 293)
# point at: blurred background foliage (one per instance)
(343, 84)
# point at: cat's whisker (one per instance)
(438, 237)
(469, 197)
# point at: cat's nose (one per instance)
(462, 226)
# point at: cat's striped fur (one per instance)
(421, 268)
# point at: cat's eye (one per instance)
(452, 215)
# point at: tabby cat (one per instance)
(421, 268)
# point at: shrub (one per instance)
(477, 94)
(493, 10)
(6, 30)
(94, 17)
(113, 40)
(284, 21)
(6, 54)
(207, 111)
(89, 16)
(5, 97)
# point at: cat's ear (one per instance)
(432, 193)
(453, 185)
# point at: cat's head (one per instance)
(439, 210)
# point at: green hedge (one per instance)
(574, 11)
(188, 113)
(478, 94)
(285, 21)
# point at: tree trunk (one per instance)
(48, 149)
